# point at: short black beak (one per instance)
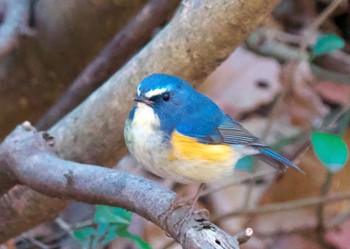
(143, 100)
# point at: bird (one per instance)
(180, 134)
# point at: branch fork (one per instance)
(28, 157)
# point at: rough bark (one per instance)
(30, 158)
(200, 36)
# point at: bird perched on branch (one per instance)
(180, 134)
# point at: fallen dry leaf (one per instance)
(243, 82)
(304, 105)
(340, 237)
(336, 93)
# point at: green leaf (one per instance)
(107, 214)
(101, 228)
(331, 150)
(109, 224)
(84, 236)
(109, 235)
(245, 164)
(134, 238)
(326, 44)
(83, 233)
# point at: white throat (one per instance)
(145, 117)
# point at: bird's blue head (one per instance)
(170, 98)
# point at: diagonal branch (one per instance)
(16, 14)
(29, 155)
(124, 44)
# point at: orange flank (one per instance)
(187, 148)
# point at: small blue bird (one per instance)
(180, 134)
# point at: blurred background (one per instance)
(288, 83)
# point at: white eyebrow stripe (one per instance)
(138, 90)
(155, 92)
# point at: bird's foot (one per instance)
(199, 216)
(177, 204)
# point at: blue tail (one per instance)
(276, 160)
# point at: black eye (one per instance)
(166, 96)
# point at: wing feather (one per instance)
(222, 129)
(233, 132)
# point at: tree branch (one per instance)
(201, 35)
(124, 44)
(265, 42)
(15, 24)
(287, 206)
(29, 155)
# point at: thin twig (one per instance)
(320, 208)
(325, 126)
(286, 206)
(64, 225)
(325, 14)
(317, 22)
(244, 236)
(34, 241)
(124, 44)
(263, 43)
(253, 177)
(336, 117)
(332, 224)
(338, 220)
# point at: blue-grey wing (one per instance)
(234, 133)
(219, 128)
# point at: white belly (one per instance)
(146, 142)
